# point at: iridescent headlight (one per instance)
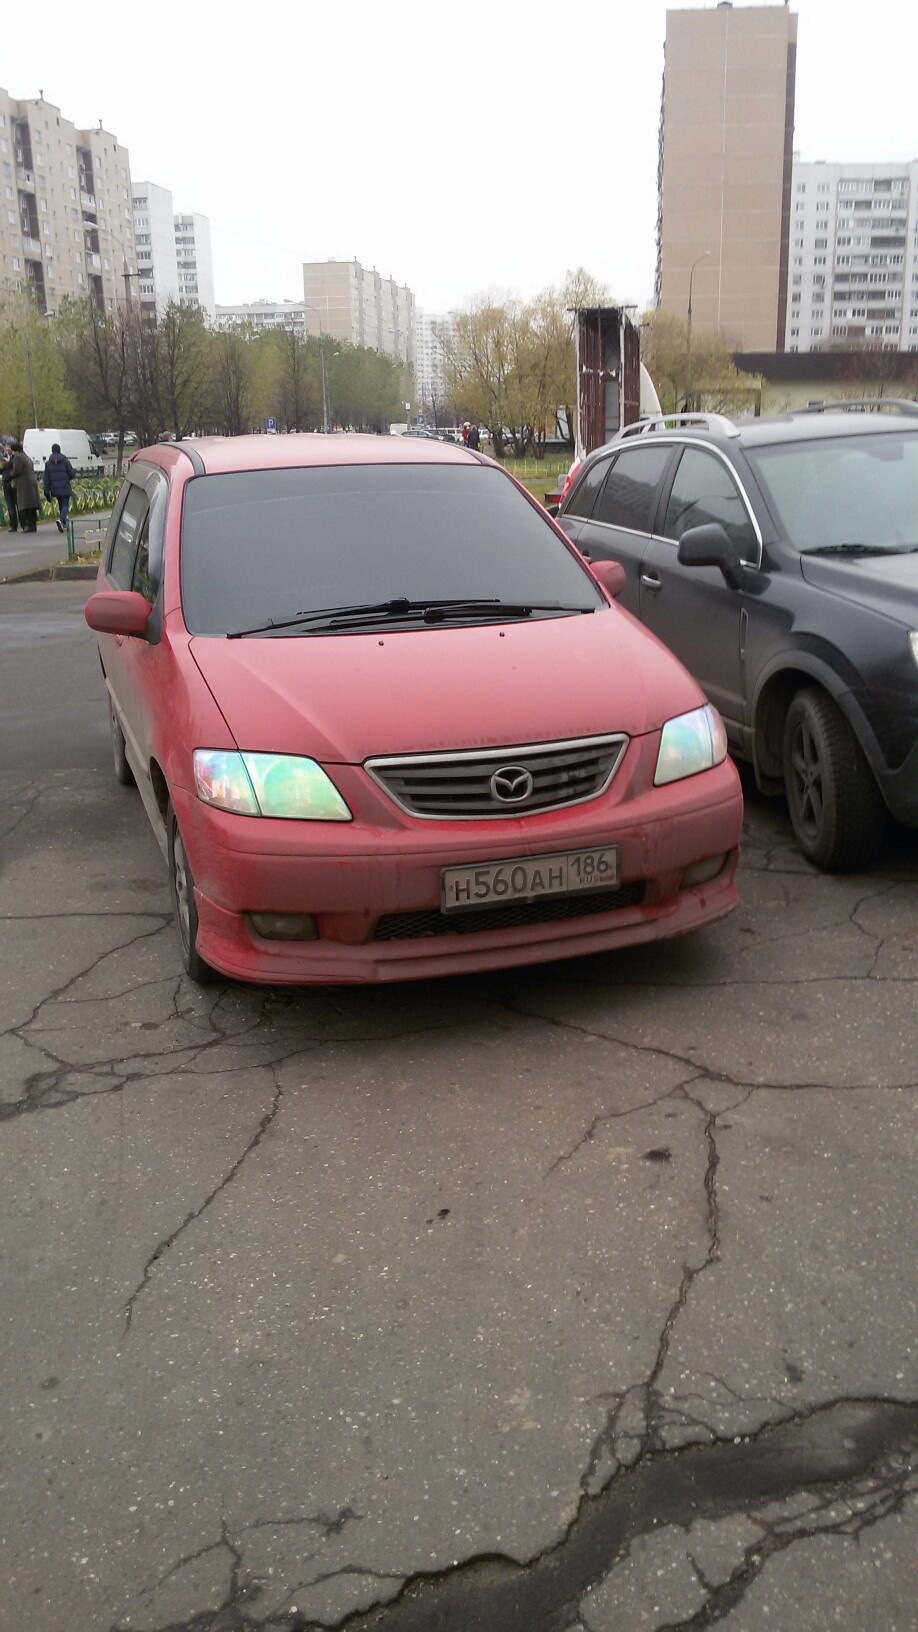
(284, 785)
(690, 743)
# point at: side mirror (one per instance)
(709, 546)
(611, 574)
(117, 612)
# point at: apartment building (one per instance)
(430, 359)
(353, 304)
(726, 152)
(195, 261)
(853, 257)
(154, 235)
(264, 314)
(66, 208)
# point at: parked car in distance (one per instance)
(779, 560)
(387, 724)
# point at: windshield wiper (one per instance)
(429, 611)
(851, 549)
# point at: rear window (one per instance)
(269, 544)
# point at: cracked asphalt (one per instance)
(579, 1299)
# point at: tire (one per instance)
(181, 889)
(123, 772)
(836, 808)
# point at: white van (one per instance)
(86, 457)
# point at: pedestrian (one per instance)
(466, 427)
(57, 481)
(9, 491)
(474, 440)
(25, 486)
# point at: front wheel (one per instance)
(123, 772)
(836, 808)
(181, 888)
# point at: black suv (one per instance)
(779, 560)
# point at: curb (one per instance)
(60, 573)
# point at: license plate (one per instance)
(526, 878)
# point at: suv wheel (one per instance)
(181, 888)
(836, 808)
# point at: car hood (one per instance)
(886, 583)
(342, 698)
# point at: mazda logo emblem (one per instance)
(511, 784)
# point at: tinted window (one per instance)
(843, 490)
(628, 497)
(584, 495)
(704, 491)
(127, 533)
(271, 543)
(141, 580)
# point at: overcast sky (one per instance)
(457, 147)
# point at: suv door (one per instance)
(618, 525)
(693, 609)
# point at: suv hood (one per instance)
(344, 697)
(885, 583)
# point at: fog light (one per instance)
(701, 872)
(284, 926)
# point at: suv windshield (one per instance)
(260, 546)
(835, 491)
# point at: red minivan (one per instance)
(387, 723)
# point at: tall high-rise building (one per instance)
(154, 233)
(194, 260)
(431, 362)
(361, 307)
(66, 210)
(853, 257)
(726, 152)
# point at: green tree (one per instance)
(693, 372)
(33, 379)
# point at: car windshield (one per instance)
(262, 546)
(837, 491)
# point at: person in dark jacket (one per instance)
(9, 491)
(57, 482)
(25, 486)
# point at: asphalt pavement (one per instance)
(575, 1297)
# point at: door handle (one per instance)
(648, 582)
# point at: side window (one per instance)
(703, 491)
(127, 535)
(141, 580)
(629, 496)
(584, 495)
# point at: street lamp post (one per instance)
(688, 329)
(28, 349)
(315, 309)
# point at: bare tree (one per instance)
(231, 380)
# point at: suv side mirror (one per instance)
(709, 546)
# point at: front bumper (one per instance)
(353, 875)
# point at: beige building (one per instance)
(726, 153)
(361, 307)
(66, 209)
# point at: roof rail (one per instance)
(662, 422)
(862, 405)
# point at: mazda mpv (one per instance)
(386, 723)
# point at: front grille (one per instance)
(415, 926)
(457, 786)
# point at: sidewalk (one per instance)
(30, 557)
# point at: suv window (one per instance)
(703, 491)
(124, 548)
(628, 496)
(584, 495)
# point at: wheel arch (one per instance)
(777, 686)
